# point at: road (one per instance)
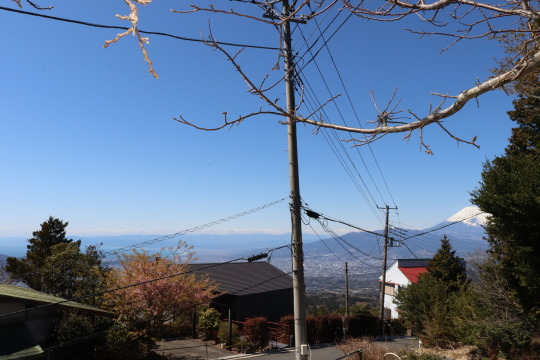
(196, 350)
(317, 353)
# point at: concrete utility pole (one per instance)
(346, 289)
(383, 280)
(300, 332)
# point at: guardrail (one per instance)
(359, 352)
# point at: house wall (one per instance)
(395, 277)
(39, 322)
(272, 305)
(9, 307)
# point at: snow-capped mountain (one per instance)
(470, 215)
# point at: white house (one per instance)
(401, 273)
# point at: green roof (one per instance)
(18, 292)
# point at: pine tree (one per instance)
(55, 264)
(447, 268)
(28, 269)
(525, 139)
(429, 304)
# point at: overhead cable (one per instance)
(193, 229)
(79, 22)
(443, 226)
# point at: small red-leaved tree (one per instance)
(154, 288)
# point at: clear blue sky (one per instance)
(88, 136)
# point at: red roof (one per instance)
(412, 273)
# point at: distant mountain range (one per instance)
(324, 257)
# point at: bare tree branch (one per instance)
(457, 19)
(133, 17)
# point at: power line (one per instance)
(316, 215)
(343, 119)
(356, 115)
(443, 226)
(79, 22)
(193, 229)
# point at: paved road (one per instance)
(199, 350)
(190, 349)
(317, 353)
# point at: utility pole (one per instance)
(344, 320)
(300, 332)
(383, 280)
(346, 289)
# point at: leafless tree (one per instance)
(456, 19)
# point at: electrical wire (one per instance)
(325, 244)
(79, 22)
(193, 229)
(343, 118)
(336, 68)
(443, 226)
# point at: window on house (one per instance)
(389, 289)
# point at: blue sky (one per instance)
(88, 135)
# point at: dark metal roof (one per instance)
(244, 278)
(413, 263)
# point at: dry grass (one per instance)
(371, 350)
(460, 353)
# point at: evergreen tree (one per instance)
(429, 304)
(447, 268)
(28, 269)
(510, 192)
(55, 264)
(525, 139)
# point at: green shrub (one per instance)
(121, 343)
(223, 333)
(508, 339)
(72, 325)
(363, 325)
(329, 329)
(209, 320)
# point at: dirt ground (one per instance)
(190, 349)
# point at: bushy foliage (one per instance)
(362, 325)
(223, 333)
(489, 317)
(255, 334)
(78, 335)
(71, 326)
(209, 319)
(324, 328)
(121, 343)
